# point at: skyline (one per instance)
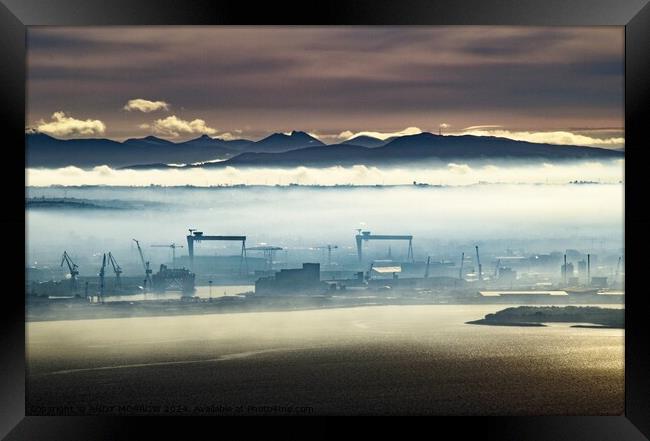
(557, 85)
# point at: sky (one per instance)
(560, 85)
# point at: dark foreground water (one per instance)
(366, 360)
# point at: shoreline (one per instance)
(66, 311)
(591, 317)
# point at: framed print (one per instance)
(378, 209)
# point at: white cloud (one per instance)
(452, 174)
(145, 106)
(380, 135)
(460, 169)
(556, 137)
(174, 126)
(493, 126)
(144, 126)
(63, 125)
(226, 136)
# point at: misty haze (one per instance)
(325, 221)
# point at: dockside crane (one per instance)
(462, 263)
(618, 269)
(496, 269)
(101, 279)
(173, 246)
(145, 266)
(426, 272)
(116, 269)
(72, 267)
(480, 267)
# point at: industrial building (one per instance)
(305, 280)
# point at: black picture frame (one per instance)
(16, 15)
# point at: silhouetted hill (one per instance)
(46, 151)
(424, 146)
(365, 141)
(148, 140)
(280, 142)
(298, 148)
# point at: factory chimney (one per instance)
(564, 270)
(588, 269)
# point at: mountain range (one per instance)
(296, 148)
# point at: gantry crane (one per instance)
(365, 236)
(145, 266)
(72, 267)
(116, 269)
(198, 236)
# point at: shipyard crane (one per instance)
(72, 267)
(101, 279)
(173, 246)
(269, 254)
(198, 236)
(329, 249)
(618, 268)
(365, 236)
(116, 269)
(426, 272)
(462, 262)
(480, 267)
(496, 269)
(145, 266)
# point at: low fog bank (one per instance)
(432, 173)
(443, 220)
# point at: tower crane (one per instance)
(145, 266)
(480, 267)
(72, 267)
(173, 246)
(116, 269)
(329, 249)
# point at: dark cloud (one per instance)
(529, 43)
(324, 79)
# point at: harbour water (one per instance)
(364, 360)
(203, 292)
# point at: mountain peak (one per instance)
(149, 139)
(365, 141)
(278, 142)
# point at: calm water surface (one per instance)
(368, 360)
